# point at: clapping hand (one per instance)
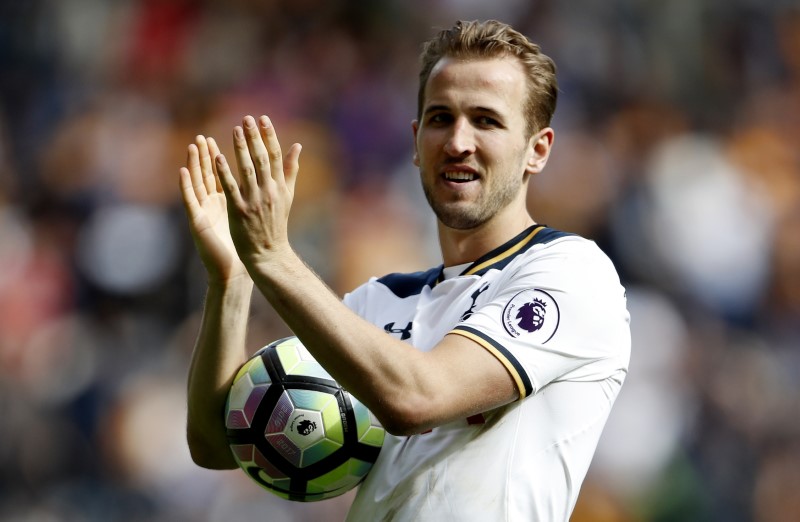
(260, 199)
(205, 204)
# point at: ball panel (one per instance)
(273, 473)
(240, 391)
(243, 401)
(309, 369)
(253, 401)
(332, 421)
(362, 417)
(243, 452)
(287, 355)
(374, 437)
(280, 486)
(281, 413)
(245, 368)
(236, 420)
(296, 360)
(305, 428)
(286, 448)
(342, 478)
(310, 399)
(318, 451)
(258, 372)
(370, 430)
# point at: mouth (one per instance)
(459, 174)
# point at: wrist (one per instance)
(237, 284)
(274, 266)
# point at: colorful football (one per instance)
(294, 430)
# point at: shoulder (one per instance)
(391, 291)
(567, 253)
(406, 285)
(570, 270)
(545, 252)
(517, 248)
(398, 285)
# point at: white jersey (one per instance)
(549, 306)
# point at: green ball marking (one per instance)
(370, 430)
(258, 372)
(374, 436)
(332, 421)
(318, 451)
(287, 353)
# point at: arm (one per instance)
(220, 347)
(408, 390)
(218, 354)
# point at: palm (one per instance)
(213, 238)
(206, 209)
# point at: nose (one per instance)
(461, 141)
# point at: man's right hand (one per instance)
(204, 201)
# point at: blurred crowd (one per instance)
(676, 151)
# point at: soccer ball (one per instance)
(294, 430)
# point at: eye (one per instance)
(487, 121)
(439, 118)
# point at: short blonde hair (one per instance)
(493, 39)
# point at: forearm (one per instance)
(218, 354)
(370, 364)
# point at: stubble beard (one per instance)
(463, 215)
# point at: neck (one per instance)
(465, 246)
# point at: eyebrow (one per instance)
(435, 108)
(491, 112)
(480, 109)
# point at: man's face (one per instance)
(472, 148)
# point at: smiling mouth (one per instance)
(460, 176)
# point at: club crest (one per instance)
(532, 312)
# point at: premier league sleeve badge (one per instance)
(532, 313)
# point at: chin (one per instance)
(461, 221)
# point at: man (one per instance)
(494, 372)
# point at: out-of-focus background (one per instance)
(677, 151)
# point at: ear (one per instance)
(415, 129)
(539, 146)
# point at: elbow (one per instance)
(403, 429)
(405, 418)
(208, 453)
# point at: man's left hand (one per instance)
(260, 199)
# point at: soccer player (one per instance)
(495, 372)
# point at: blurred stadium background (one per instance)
(676, 150)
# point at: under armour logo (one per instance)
(405, 333)
(474, 297)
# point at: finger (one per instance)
(273, 148)
(247, 171)
(188, 195)
(213, 151)
(258, 152)
(195, 174)
(206, 168)
(291, 165)
(228, 182)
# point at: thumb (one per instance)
(291, 165)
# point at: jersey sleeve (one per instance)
(560, 315)
(356, 300)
